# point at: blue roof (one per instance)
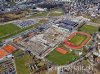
(67, 24)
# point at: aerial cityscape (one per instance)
(49, 36)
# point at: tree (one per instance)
(99, 29)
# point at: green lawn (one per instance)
(77, 39)
(92, 19)
(39, 14)
(62, 59)
(53, 12)
(96, 20)
(20, 65)
(21, 62)
(8, 29)
(88, 29)
(24, 29)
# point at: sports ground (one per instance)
(7, 49)
(62, 55)
(8, 29)
(88, 29)
(60, 58)
(77, 40)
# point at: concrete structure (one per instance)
(67, 24)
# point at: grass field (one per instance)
(21, 30)
(96, 20)
(20, 65)
(62, 59)
(53, 12)
(21, 61)
(56, 12)
(8, 29)
(40, 14)
(77, 39)
(88, 29)
(92, 19)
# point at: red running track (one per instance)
(70, 45)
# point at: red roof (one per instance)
(2, 53)
(9, 48)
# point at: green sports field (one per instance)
(8, 29)
(88, 29)
(77, 39)
(61, 59)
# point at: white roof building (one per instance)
(80, 19)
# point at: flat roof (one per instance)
(67, 24)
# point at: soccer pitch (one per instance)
(62, 59)
(7, 29)
(77, 39)
(88, 29)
